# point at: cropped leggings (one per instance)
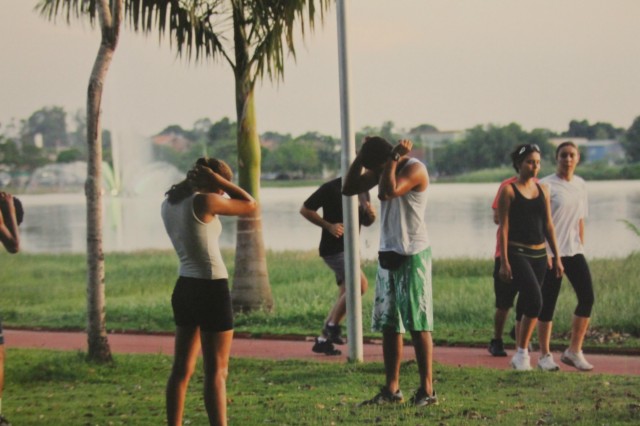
(577, 270)
(528, 267)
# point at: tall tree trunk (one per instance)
(251, 289)
(98, 343)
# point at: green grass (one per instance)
(49, 387)
(48, 291)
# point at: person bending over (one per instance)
(328, 197)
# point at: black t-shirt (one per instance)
(328, 197)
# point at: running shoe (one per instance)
(546, 363)
(385, 396)
(421, 399)
(521, 362)
(333, 334)
(496, 348)
(4, 421)
(322, 346)
(576, 359)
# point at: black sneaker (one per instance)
(333, 334)
(496, 348)
(385, 397)
(4, 421)
(324, 347)
(421, 399)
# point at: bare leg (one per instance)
(423, 346)
(499, 319)
(392, 354)
(527, 325)
(216, 348)
(339, 310)
(579, 327)
(1, 373)
(544, 336)
(187, 346)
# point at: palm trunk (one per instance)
(98, 344)
(251, 289)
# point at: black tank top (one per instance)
(527, 218)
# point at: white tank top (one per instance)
(195, 242)
(402, 221)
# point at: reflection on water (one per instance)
(459, 220)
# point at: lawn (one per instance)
(49, 291)
(50, 388)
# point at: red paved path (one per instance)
(289, 349)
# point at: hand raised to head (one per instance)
(403, 147)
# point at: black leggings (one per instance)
(577, 270)
(528, 267)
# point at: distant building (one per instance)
(424, 143)
(610, 151)
(579, 142)
(605, 150)
(173, 140)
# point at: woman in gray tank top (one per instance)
(201, 302)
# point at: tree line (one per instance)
(45, 137)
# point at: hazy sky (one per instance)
(450, 63)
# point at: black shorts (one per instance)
(202, 303)
(505, 292)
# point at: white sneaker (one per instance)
(521, 362)
(576, 360)
(546, 363)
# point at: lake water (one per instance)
(459, 221)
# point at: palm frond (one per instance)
(273, 26)
(51, 9)
(187, 22)
(196, 28)
(631, 226)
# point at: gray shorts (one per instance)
(336, 263)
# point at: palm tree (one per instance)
(109, 13)
(252, 36)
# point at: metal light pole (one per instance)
(349, 204)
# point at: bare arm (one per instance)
(369, 212)
(358, 179)
(504, 204)
(207, 205)
(9, 233)
(550, 233)
(393, 184)
(335, 229)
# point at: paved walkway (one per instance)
(297, 349)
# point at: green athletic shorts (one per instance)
(403, 298)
